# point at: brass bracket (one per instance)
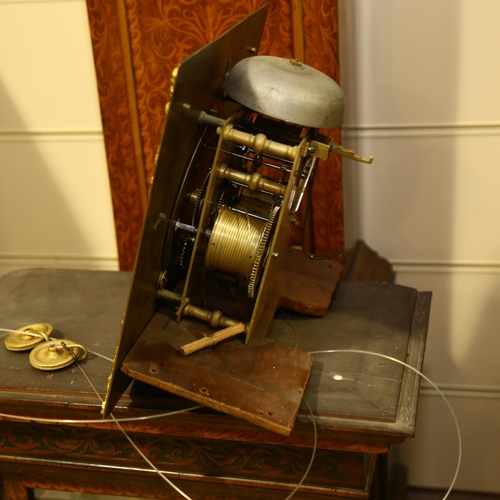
(349, 153)
(322, 148)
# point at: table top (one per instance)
(364, 398)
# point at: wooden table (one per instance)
(362, 404)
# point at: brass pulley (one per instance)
(28, 337)
(57, 354)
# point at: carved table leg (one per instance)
(12, 489)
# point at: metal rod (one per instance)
(272, 165)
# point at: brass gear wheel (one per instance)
(261, 252)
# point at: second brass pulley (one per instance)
(57, 354)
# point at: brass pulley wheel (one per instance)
(57, 354)
(28, 337)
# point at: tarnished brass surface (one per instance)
(213, 318)
(349, 153)
(234, 243)
(259, 143)
(321, 148)
(57, 354)
(28, 337)
(253, 181)
(267, 297)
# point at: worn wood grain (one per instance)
(307, 285)
(262, 383)
(366, 316)
(365, 264)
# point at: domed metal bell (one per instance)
(287, 90)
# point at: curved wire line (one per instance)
(129, 439)
(43, 420)
(313, 455)
(438, 390)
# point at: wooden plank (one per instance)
(364, 264)
(298, 30)
(410, 386)
(262, 383)
(308, 285)
(120, 123)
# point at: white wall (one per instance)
(421, 84)
(55, 203)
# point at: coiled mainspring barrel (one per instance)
(234, 243)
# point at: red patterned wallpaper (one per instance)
(164, 32)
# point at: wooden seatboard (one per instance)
(262, 383)
(364, 264)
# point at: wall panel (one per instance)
(431, 457)
(54, 199)
(421, 90)
(47, 76)
(55, 204)
(430, 197)
(462, 343)
(422, 63)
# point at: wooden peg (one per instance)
(211, 340)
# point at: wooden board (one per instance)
(364, 264)
(262, 383)
(308, 285)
